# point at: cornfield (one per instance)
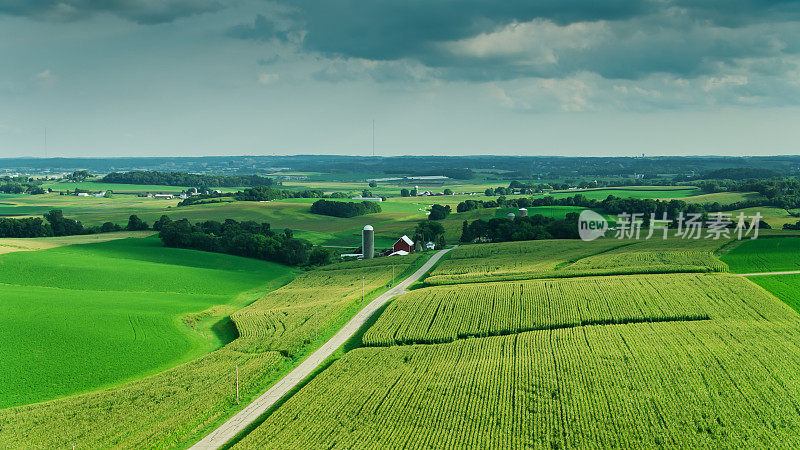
(713, 383)
(446, 313)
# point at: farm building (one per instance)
(367, 199)
(403, 244)
(83, 194)
(430, 245)
(165, 196)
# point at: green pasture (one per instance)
(81, 317)
(764, 255)
(785, 287)
(653, 192)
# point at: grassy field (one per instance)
(9, 245)
(176, 407)
(663, 192)
(764, 255)
(727, 380)
(80, 317)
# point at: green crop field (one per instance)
(80, 317)
(727, 380)
(176, 407)
(665, 192)
(445, 313)
(571, 258)
(764, 255)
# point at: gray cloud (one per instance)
(139, 11)
(480, 41)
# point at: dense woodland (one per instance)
(344, 209)
(520, 229)
(249, 239)
(186, 179)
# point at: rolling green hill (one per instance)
(80, 317)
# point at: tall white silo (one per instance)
(368, 242)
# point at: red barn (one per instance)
(404, 243)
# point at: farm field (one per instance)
(764, 255)
(151, 412)
(8, 245)
(81, 317)
(703, 383)
(566, 258)
(633, 192)
(447, 313)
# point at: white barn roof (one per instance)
(406, 240)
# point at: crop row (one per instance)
(718, 384)
(555, 259)
(163, 410)
(447, 313)
(289, 319)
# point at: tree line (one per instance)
(186, 179)
(54, 223)
(520, 229)
(344, 209)
(249, 239)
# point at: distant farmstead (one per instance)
(164, 196)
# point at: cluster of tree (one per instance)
(186, 179)
(58, 225)
(520, 229)
(439, 212)
(79, 175)
(429, 231)
(28, 227)
(344, 209)
(20, 185)
(617, 205)
(249, 239)
(264, 193)
(209, 197)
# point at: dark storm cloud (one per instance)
(139, 11)
(482, 41)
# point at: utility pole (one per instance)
(237, 384)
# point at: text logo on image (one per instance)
(591, 225)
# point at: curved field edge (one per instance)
(177, 407)
(79, 318)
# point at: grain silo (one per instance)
(511, 216)
(368, 242)
(523, 212)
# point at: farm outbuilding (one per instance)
(404, 243)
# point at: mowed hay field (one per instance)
(80, 317)
(635, 361)
(178, 406)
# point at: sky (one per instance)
(109, 78)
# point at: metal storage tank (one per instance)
(523, 212)
(511, 216)
(368, 242)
